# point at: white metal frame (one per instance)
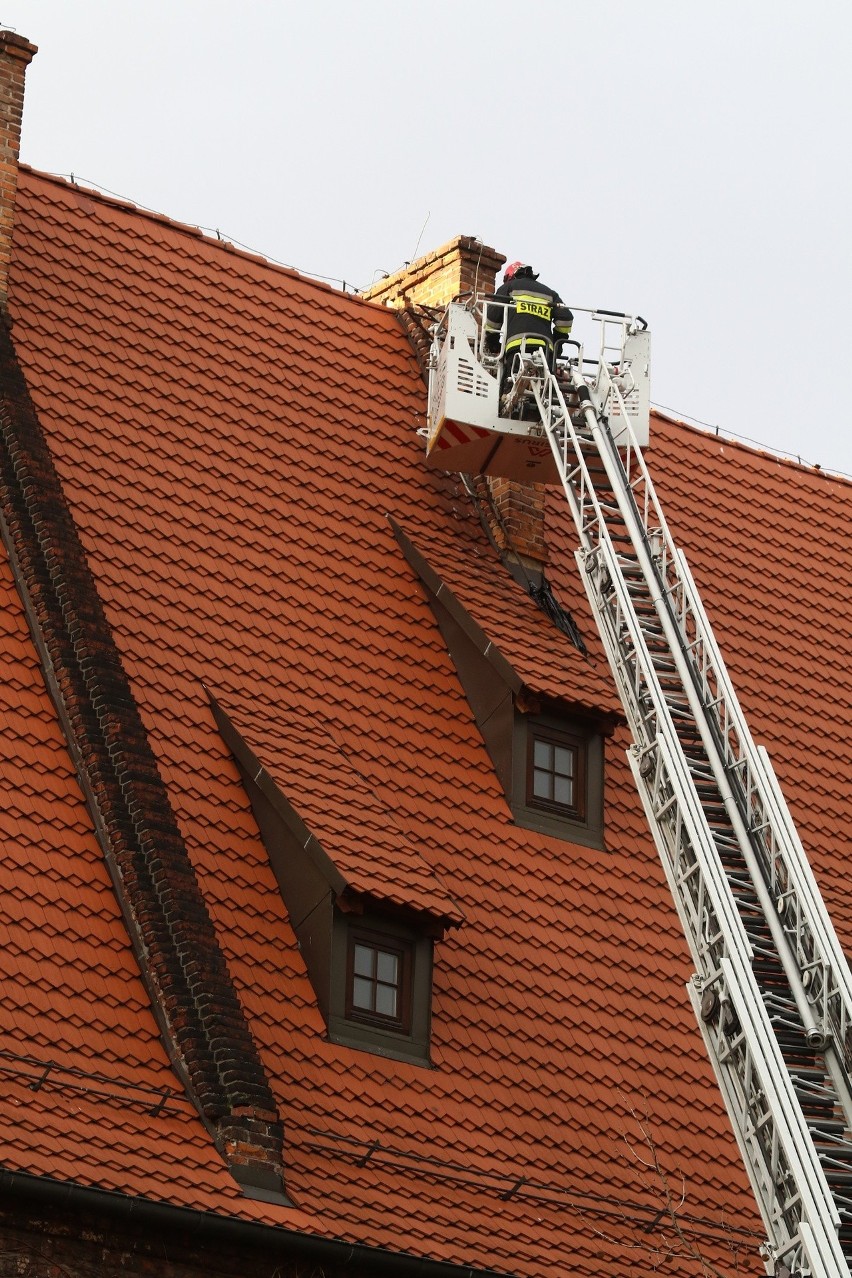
(464, 378)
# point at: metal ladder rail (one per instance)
(689, 646)
(780, 861)
(802, 910)
(764, 1145)
(836, 1145)
(556, 418)
(644, 700)
(790, 1194)
(801, 1233)
(783, 1200)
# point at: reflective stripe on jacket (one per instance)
(530, 315)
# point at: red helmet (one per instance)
(518, 268)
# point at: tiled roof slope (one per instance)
(177, 948)
(85, 1076)
(232, 439)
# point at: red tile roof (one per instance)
(233, 441)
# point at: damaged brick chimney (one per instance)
(465, 265)
(16, 53)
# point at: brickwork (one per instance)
(464, 265)
(200, 1015)
(52, 1243)
(519, 530)
(60, 1232)
(16, 53)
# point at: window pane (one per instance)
(363, 961)
(543, 755)
(564, 761)
(563, 791)
(541, 784)
(378, 981)
(386, 968)
(362, 993)
(386, 1000)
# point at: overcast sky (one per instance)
(688, 161)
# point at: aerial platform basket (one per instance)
(466, 431)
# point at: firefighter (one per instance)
(536, 316)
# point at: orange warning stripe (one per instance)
(460, 434)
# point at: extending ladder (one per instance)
(772, 990)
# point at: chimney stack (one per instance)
(16, 53)
(519, 527)
(464, 265)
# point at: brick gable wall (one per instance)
(69, 1232)
(15, 56)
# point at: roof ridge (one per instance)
(193, 997)
(226, 245)
(724, 436)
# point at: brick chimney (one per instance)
(16, 53)
(518, 527)
(465, 265)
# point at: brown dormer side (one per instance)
(16, 53)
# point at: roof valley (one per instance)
(196, 1005)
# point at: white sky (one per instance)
(688, 161)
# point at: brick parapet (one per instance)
(191, 990)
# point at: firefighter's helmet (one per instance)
(519, 269)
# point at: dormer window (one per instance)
(378, 981)
(556, 771)
(558, 775)
(548, 752)
(380, 985)
(368, 959)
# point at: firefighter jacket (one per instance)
(536, 313)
